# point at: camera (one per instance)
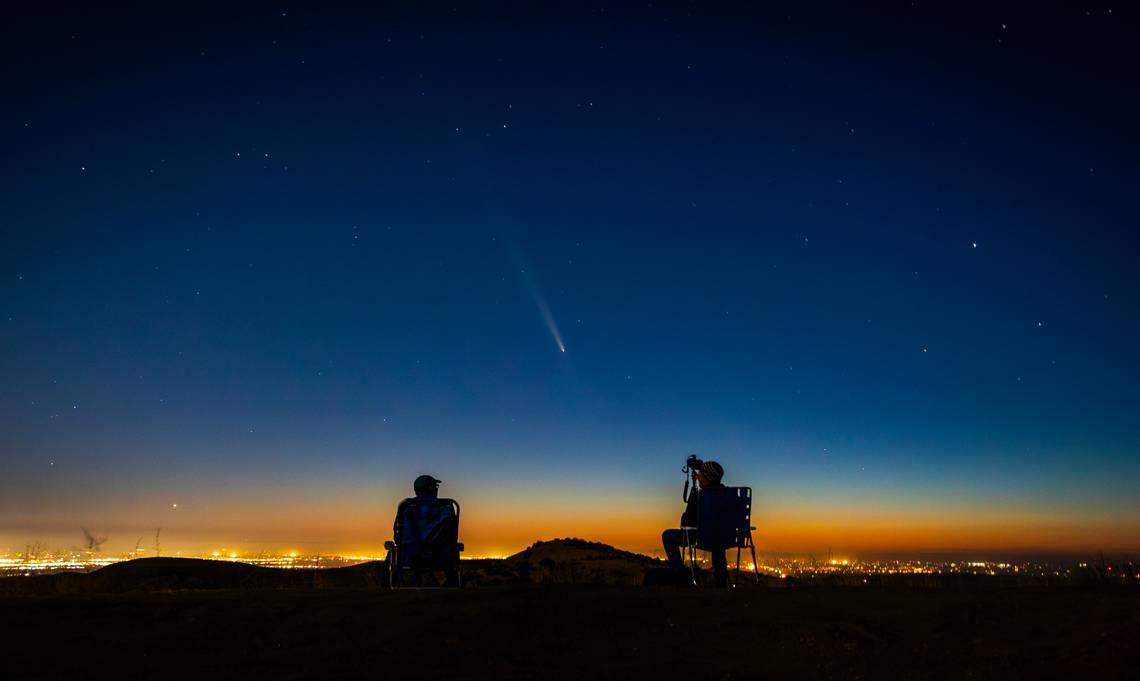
(692, 465)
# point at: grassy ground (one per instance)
(518, 632)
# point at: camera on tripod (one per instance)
(692, 465)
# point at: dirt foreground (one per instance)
(576, 632)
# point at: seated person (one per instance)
(425, 533)
(708, 476)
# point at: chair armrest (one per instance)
(459, 546)
(390, 545)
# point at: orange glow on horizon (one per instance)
(503, 525)
(500, 537)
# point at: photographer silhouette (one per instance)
(702, 475)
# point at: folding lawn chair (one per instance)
(425, 542)
(724, 518)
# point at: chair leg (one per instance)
(692, 551)
(755, 565)
(736, 581)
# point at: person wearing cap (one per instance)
(426, 486)
(708, 476)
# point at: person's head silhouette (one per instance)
(710, 474)
(426, 486)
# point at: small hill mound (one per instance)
(578, 561)
(186, 573)
(573, 548)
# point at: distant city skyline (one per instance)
(261, 268)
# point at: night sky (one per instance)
(270, 263)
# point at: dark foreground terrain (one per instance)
(572, 632)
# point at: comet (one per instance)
(529, 282)
(544, 309)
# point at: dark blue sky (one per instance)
(881, 263)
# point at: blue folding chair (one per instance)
(425, 542)
(724, 517)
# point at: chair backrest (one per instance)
(725, 518)
(426, 532)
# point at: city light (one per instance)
(846, 570)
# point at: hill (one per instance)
(576, 632)
(562, 612)
(562, 561)
(174, 574)
(559, 561)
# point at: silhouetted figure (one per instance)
(426, 486)
(425, 537)
(708, 476)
